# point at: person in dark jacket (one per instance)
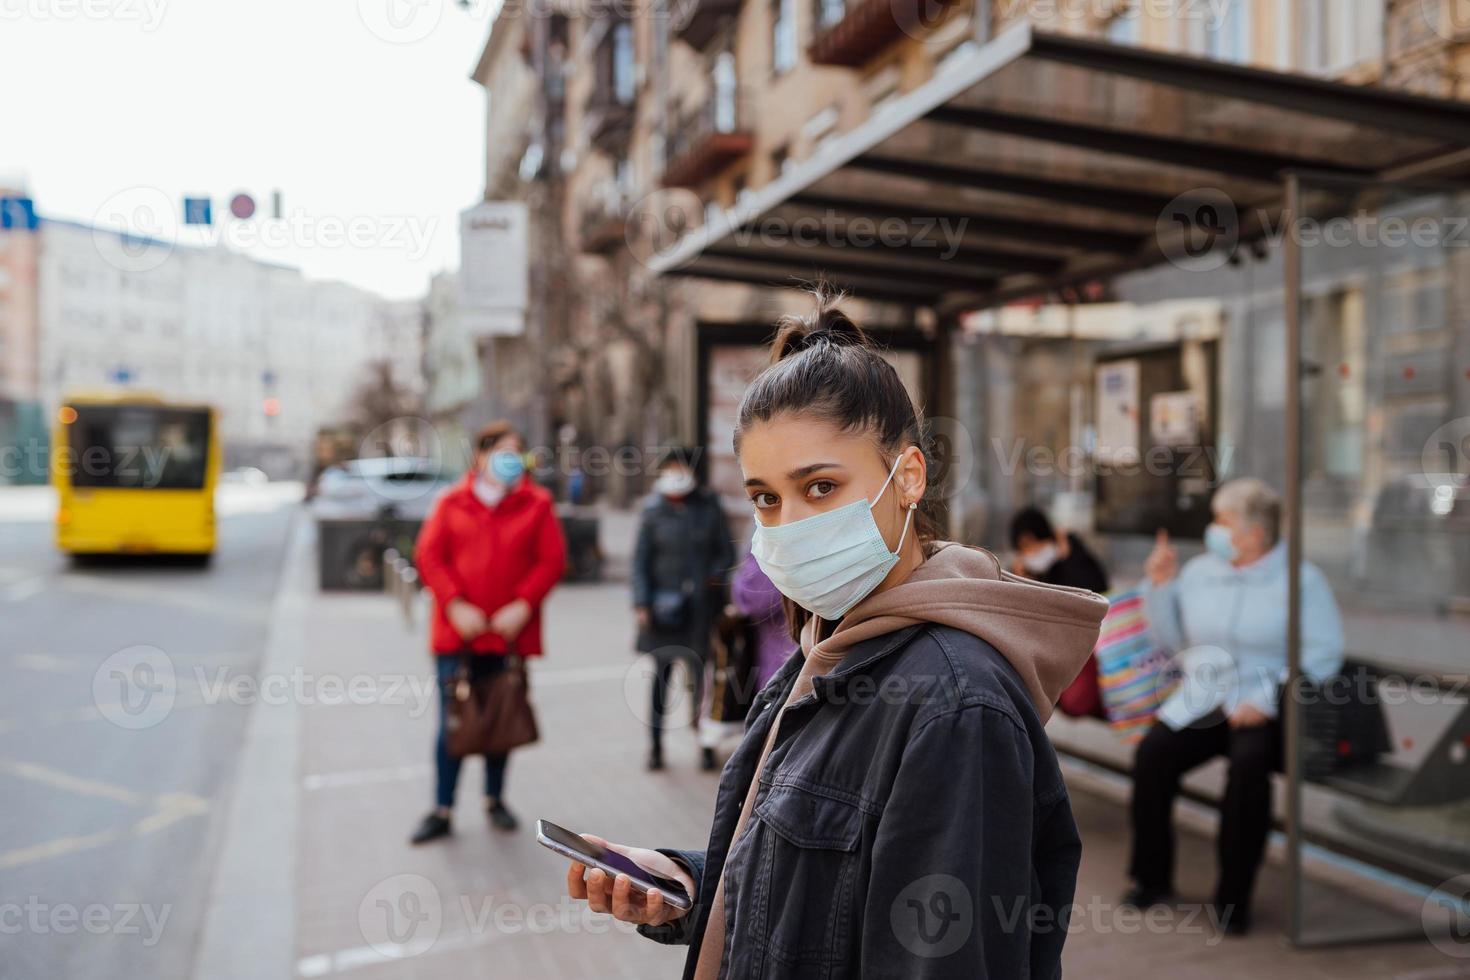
(681, 561)
(895, 808)
(1049, 555)
(489, 553)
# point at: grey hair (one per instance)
(1253, 501)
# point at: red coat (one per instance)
(490, 556)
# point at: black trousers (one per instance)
(663, 672)
(1245, 812)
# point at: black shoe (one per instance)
(708, 762)
(434, 826)
(1139, 897)
(501, 818)
(1234, 920)
(655, 760)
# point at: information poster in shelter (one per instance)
(1117, 412)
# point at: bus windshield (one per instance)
(139, 447)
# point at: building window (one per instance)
(1123, 24)
(624, 80)
(830, 12)
(1228, 37)
(783, 35)
(1338, 34)
(726, 86)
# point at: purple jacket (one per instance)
(754, 595)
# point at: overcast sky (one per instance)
(361, 112)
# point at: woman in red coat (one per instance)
(490, 553)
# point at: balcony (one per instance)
(698, 22)
(603, 219)
(706, 141)
(851, 33)
(610, 108)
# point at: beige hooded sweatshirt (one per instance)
(1046, 632)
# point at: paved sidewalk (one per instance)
(368, 905)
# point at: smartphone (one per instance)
(579, 848)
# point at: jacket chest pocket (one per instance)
(805, 910)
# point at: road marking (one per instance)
(70, 783)
(169, 809)
(48, 663)
(364, 777)
(23, 590)
(357, 957)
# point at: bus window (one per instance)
(138, 447)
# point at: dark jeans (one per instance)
(1245, 812)
(662, 673)
(447, 766)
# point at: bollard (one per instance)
(410, 579)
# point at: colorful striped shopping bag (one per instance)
(1134, 673)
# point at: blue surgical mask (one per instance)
(830, 562)
(1217, 541)
(507, 466)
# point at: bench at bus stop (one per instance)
(1428, 763)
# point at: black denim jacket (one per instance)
(911, 823)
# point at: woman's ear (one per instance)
(913, 476)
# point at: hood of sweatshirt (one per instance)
(1046, 632)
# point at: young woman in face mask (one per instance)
(489, 553)
(895, 808)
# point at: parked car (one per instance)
(404, 487)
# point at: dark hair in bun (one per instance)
(823, 366)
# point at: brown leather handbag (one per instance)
(490, 715)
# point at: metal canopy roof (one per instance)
(1040, 160)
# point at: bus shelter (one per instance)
(1133, 253)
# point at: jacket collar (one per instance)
(521, 488)
(858, 661)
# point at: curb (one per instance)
(249, 929)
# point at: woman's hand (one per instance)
(510, 619)
(467, 618)
(1162, 563)
(617, 895)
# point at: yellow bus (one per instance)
(135, 474)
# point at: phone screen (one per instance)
(580, 845)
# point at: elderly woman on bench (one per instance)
(1225, 616)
